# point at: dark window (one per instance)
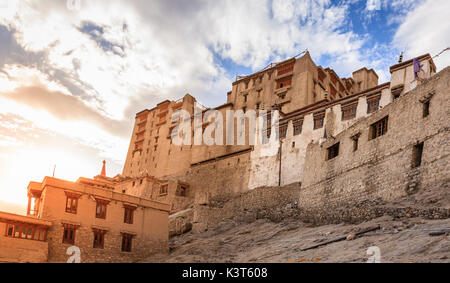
(318, 121)
(349, 112)
(268, 132)
(379, 128)
(99, 239)
(71, 204)
(10, 230)
(297, 126)
(355, 142)
(426, 109)
(245, 97)
(183, 190)
(29, 232)
(257, 105)
(373, 104)
(126, 242)
(417, 155)
(140, 182)
(100, 211)
(69, 235)
(293, 144)
(163, 189)
(128, 215)
(283, 130)
(333, 151)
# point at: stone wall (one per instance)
(21, 250)
(381, 168)
(264, 202)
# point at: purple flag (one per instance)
(417, 68)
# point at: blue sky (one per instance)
(72, 77)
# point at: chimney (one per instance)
(103, 169)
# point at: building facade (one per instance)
(98, 223)
(314, 104)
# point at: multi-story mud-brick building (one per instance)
(103, 224)
(313, 103)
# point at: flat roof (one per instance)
(410, 62)
(10, 217)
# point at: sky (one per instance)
(74, 73)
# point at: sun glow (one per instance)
(33, 164)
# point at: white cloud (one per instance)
(373, 5)
(426, 29)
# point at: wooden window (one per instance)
(100, 211)
(333, 151)
(379, 128)
(10, 230)
(99, 238)
(349, 111)
(285, 69)
(128, 214)
(24, 231)
(298, 124)
(417, 155)
(163, 189)
(72, 203)
(284, 82)
(283, 130)
(426, 108)
(319, 120)
(126, 242)
(373, 103)
(69, 234)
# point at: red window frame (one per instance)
(100, 209)
(127, 242)
(128, 216)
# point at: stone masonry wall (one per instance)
(264, 202)
(381, 168)
(21, 250)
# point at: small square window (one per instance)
(126, 242)
(69, 235)
(71, 204)
(100, 211)
(128, 214)
(318, 122)
(99, 239)
(298, 124)
(379, 128)
(333, 151)
(163, 189)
